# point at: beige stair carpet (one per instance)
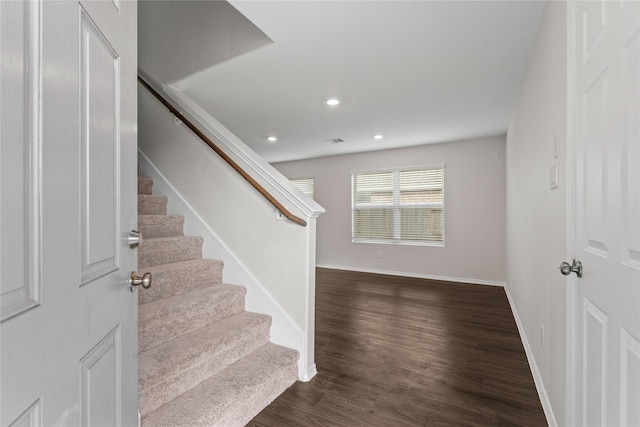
(203, 359)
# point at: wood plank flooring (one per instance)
(394, 351)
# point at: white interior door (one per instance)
(606, 105)
(68, 112)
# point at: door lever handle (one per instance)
(135, 280)
(567, 269)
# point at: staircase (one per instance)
(203, 359)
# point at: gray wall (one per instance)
(474, 211)
(180, 37)
(536, 215)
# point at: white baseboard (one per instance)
(415, 275)
(309, 374)
(535, 372)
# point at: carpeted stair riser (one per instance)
(175, 367)
(145, 185)
(166, 319)
(152, 205)
(234, 396)
(152, 226)
(167, 250)
(181, 277)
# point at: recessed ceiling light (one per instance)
(272, 139)
(378, 136)
(333, 102)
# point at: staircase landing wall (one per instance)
(273, 259)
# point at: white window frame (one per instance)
(397, 207)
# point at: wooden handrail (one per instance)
(223, 155)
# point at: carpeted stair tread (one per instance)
(166, 319)
(152, 205)
(234, 396)
(153, 226)
(181, 277)
(145, 185)
(167, 250)
(176, 366)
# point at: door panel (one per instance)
(32, 417)
(630, 85)
(69, 353)
(100, 393)
(594, 160)
(99, 94)
(595, 363)
(606, 84)
(630, 380)
(20, 175)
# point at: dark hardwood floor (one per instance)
(394, 351)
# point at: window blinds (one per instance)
(305, 185)
(399, 206)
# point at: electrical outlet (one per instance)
(380, 254)
(541, 336)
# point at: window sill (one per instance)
(399, 242)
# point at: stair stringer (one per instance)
(284, 330)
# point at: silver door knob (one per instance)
(567, 269)
(135, 280)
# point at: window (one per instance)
(305, 185)
(399, 206)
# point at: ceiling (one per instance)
(416, 72)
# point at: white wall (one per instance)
(474, 211)
(536, 215)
